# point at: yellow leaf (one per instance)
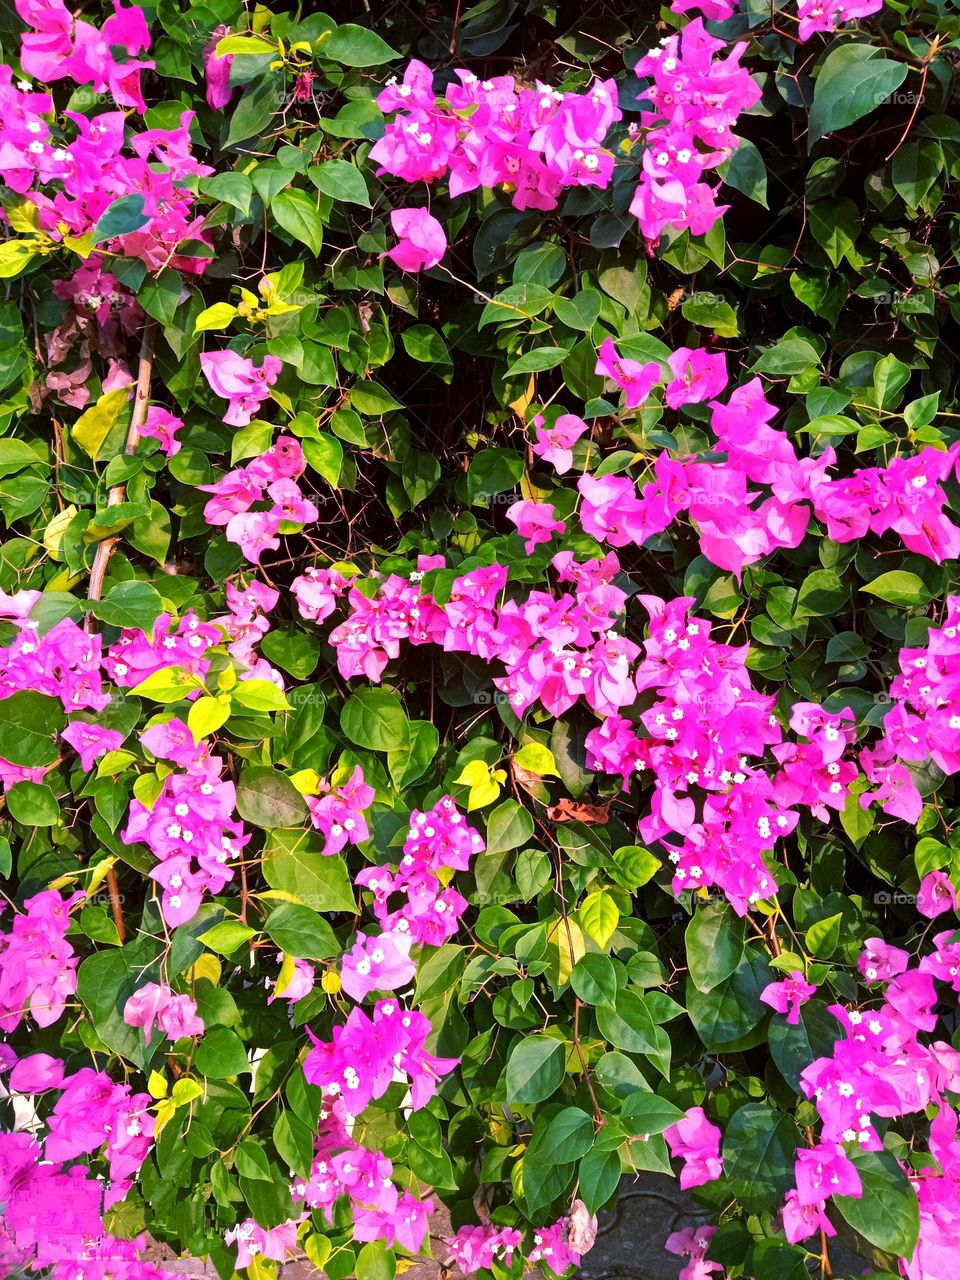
(207, 715)
(330, 982)
(165, 1112)
(260, 1269)
(216, 317)
(157, 1084)
(207, 966)
(185, 1090)
(115, 762)
(285, 976)
(53, 534)
(16, 256)
(24, 216)
(100, 870)
(83, 245)
(306, 781)
(568, 939)
(95, 424)
(484, 783)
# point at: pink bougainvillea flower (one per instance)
(636, 380)
(692, 1243)
(536, 522)
(377, 964)
(555, 444)
(163, 426)
(300, 984)
(881, 962)
(936, 895)
(697, 1142)
(238, 380)
(825, 1171)
(697, 376)
(801, 1220)
(154, 1004)
(217, 70)
(90, 741)
(422, 239)
(787, 996)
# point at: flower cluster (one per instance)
(63, 663)
(134, 657)
(923, 723)
(696, 97)
(155, 1004)
(438, 841)
(38, 968)
(533, 142)
(189, 827)
(268, 483)
(239, 381)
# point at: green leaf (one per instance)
(226, 936)
(340, 180)
(793, 1048)
(33, 803)
(30, 725)
(745, 171)
(899, 587)
(357, 47)
(538, 759)
(730, 1013)
(220, 1054)
(534, 1069)
(628, 1024)
(301, 933)
(407, 764)
(537, 361)
(268, 798)
(293, 860)
(853, 81)
(567, 1137)
(646, 1113)
(759, 1153)
(508, 827)
(887, 1213)
(594, 979)
(823, 937)
(297, 214)
(129, 604)
(375, 719)
(715, 940)
(120, 218)
(375, 1261)
(599, 1176)
(232, 188)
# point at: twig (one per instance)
(114, 890)
(141, 400)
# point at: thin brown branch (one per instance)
(141, 400)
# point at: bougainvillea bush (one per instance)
(479, 672)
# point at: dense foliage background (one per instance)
(587, 997)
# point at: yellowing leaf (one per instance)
(147, 788)
(285, 976)
(484, 783)
(168, 685)
(24, 216)
(216, 317)
(16, 256)
(567, 937)
(95, 424)
(53, 534)
(207, 966)
(260, 695)
(185, 1090)
(100, 870)
(599, 916)
(330, 982)
(306, 781)
(115, 762)
(157, 1084)
(207, 715)
(522, 402)
(83, 245)
(537, 759)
